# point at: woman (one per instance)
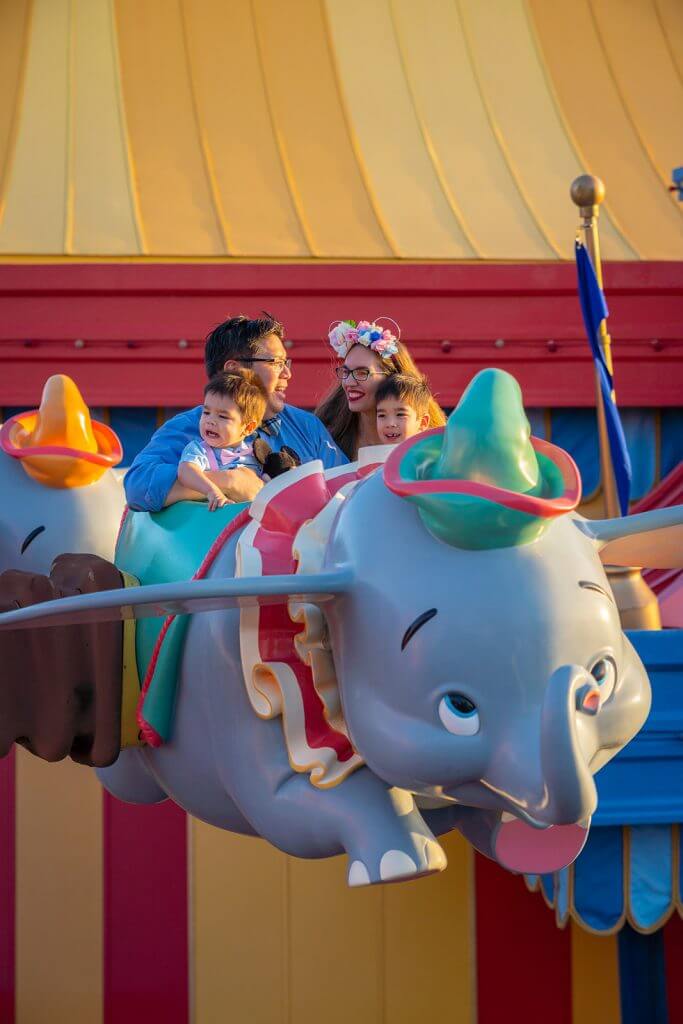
(369, 352)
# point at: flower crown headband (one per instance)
(344, 334)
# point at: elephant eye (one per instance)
(604, 672)
(458, 714)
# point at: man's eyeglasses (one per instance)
(279, 364)
(360, 375)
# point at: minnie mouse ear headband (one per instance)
(344, 334)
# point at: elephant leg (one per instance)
(130, 780)
(386, 838)
(380, 829)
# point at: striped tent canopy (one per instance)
(338, 129)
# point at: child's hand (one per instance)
(216, 499)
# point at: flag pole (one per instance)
(637, 604)
(587, 193)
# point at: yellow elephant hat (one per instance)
(59, 445)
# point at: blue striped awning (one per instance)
(625, 874)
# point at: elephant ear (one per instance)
(653, 539)
(278, 511)
(181, 598)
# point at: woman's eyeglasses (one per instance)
(279, 364)
(360, 375)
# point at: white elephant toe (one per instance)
(396, 864)
(436, 858)
(358, 874)
(432, 856)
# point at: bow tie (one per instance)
(271, 426)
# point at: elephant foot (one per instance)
(413, 853)
(130, 780)
(398, 866)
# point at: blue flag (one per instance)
(594, 310)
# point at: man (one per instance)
(152, 480)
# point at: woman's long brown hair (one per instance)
(342, 424)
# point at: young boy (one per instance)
(402, 407)
(234, 405)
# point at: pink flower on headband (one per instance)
(344, 334)
(385, 347)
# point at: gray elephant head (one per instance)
(480, 652)
(501, 678)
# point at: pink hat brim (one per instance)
(527, 503)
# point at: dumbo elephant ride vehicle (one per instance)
(363, 659)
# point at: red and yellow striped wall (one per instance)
(119, 914)
(360, 129)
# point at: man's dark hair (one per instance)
(245, 389)
(414, 391)
(237, 338)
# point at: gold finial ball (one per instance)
(587, 190)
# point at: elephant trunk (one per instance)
(569, 785)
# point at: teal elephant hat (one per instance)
(483, 481)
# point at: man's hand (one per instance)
(240, 484)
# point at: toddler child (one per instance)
(402, 407)
(234, 406)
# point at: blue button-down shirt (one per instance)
(155, 468)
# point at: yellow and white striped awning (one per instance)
(360, 129)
